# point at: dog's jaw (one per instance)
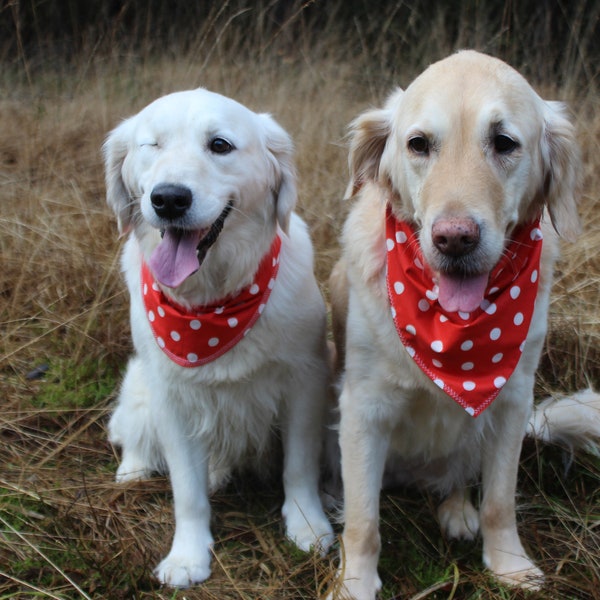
(181, 252)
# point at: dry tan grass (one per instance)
(66, 530)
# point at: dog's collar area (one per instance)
(472, 355)
(192, 338)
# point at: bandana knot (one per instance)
(192, 338)
(468, 355)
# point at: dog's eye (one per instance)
(419, 144)
(503, 144)
(220, 145)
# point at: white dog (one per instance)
(227, 320)
(440, 303)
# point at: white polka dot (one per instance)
(432, 295)
(499, 382)
(260, 309)
(468, 366)
(534, 276)
(418, 264)
(175, 336)
(398, 287)
(423, 305)
(470, 410)
(411, 351)
(497, 357)
(219, 310)
(411, 329)
(439, 383)
(495, 333)
(536, 234)
(465, 316)
(389, 244)
(519, 318)
(192, 357)
(393, 313)
(271, 283)
(145, 289)
(155, 286)
(466, 345)
(443, 318)
(491, 309)
(484, 304)
(437, 346)
(160, 342)
(436, 363)
(195, 324)
(161, 311)
(151, 316)
(401, 237)
(515, 292)
(254, 289)
(232, 322)
(493, 290)
(214, 341)
(469, 386)
(522, 346)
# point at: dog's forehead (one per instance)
(467, 84)
(197, 109)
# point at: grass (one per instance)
(66, 530)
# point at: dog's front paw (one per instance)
(183, 571)
(308, 529)
(354, 586)
(514, 570)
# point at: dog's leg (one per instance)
(364, 449)
(458, 517)
(188, 562)
(131, 427)
(503, 552)
(306, 523)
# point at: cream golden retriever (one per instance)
(227, 320)
(440, 302)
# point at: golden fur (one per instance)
(392, 415)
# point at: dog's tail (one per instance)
(572, 421)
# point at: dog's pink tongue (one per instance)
(175, 258)
(461, 294)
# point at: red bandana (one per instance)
(199, 336)
(468, 355)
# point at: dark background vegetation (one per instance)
(531, 33)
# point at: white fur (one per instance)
(392, 415)
(201, 423)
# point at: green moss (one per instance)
(70, 384)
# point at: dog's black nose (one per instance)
(170, 201)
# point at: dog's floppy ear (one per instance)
(562, 171)
(368, 136)
(115, 150)
(281, 155)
